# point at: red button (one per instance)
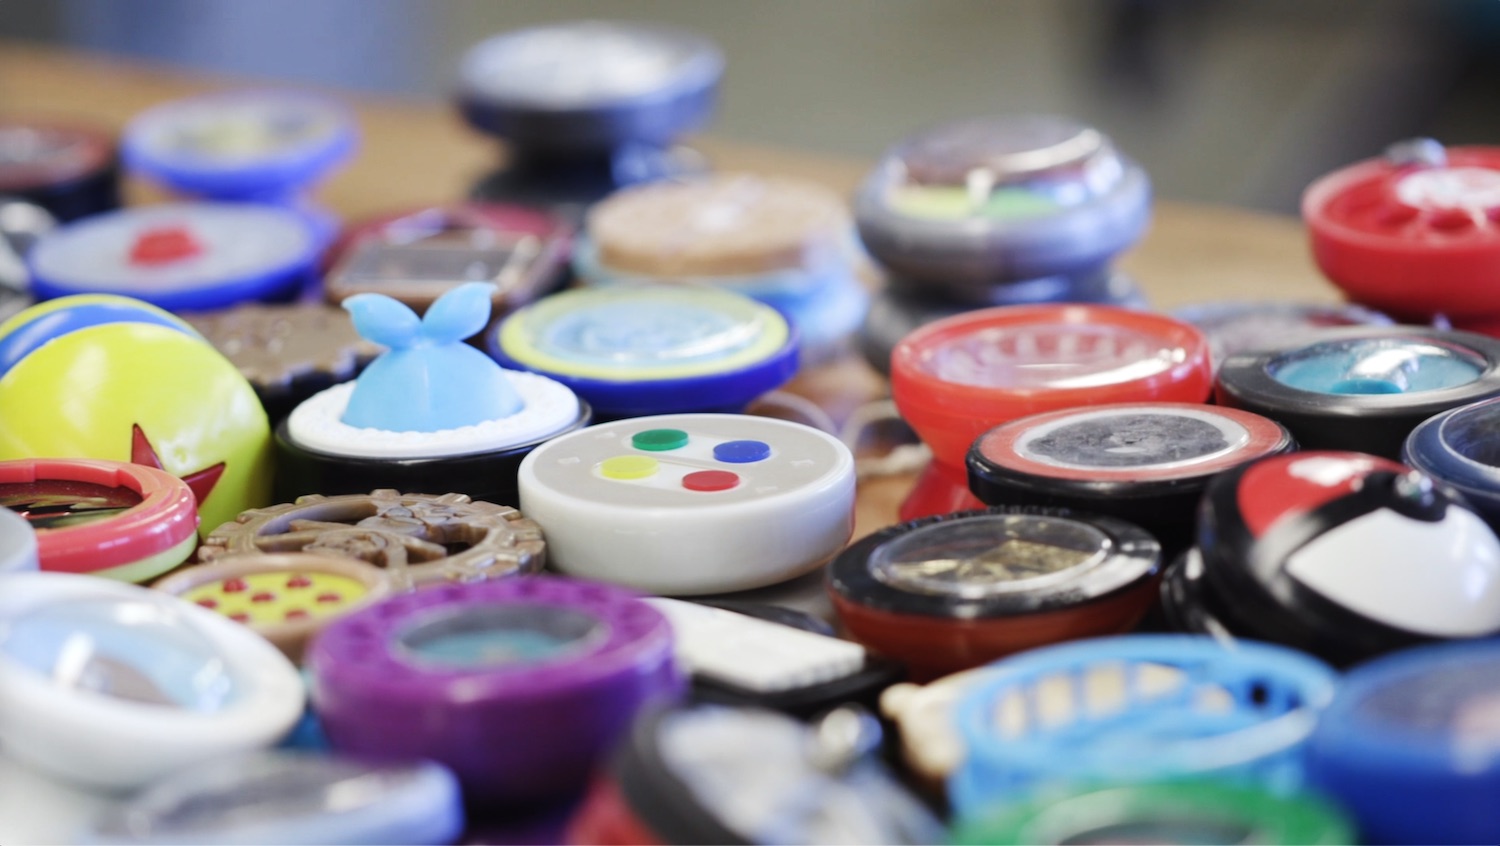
(164, 245)
(710, 480)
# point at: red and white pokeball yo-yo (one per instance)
(956, 378)
(1415, 233)
(691, 503)
(1340, 554)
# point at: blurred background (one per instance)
(1226, 102)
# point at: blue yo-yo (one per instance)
(586, 107)
(261, 146)
(635, 350)
(786, 242)
(1461, 448)
(180, 257)
(1411, 745)
(431, 413)
(1363, 388)
(1136, 708)
(289, 798)
(968, 206)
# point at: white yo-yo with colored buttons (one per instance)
(691, 504)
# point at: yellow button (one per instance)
(628, 467)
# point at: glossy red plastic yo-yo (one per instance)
(1415, 232)
(954, 379)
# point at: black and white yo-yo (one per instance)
(1343, 555)
(586, 107)
(1147, 463)
(1364, 388)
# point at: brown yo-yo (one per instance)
(419, 539)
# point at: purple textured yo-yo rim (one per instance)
(353, 652)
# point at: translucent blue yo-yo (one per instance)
(1411, 745)
(1136, 708)
(285, 798)
(256, 145)
(1460, 448)
(240, 145)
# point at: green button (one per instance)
(659, 440)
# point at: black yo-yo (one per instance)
(1343, 555)
(1147, 463)
(1364, 388)
(586, 107)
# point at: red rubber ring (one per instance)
(1409, 259)
(166, 517)
(1106, 344)
(999, 446)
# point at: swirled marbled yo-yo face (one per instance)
(417, 538)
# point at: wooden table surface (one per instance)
(419, 152)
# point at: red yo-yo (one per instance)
(1415, 233)
(954, 379)
(102, 518)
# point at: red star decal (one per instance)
(201, 482)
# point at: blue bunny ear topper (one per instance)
(429, 379)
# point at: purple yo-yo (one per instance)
(518, 686)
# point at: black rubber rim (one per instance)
(1137, 557)
(1373, 423)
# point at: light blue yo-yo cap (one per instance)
(429, 379)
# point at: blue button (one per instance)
(742, 452)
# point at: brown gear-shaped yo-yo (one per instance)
(419, 539)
